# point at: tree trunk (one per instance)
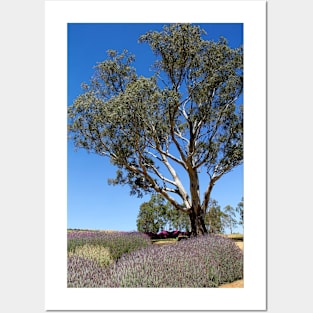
(196, 214)
(197, 223)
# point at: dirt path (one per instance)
(234, 284)
(237, 283)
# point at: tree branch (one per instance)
(178, 184)
(164, 179)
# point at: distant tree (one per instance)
(230, 218)
(239, 209)
(158, 214)
(177, 220)
(182, 118)
(152, 215)
(215, 218)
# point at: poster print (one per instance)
(61, 20)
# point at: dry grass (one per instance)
(164, 241)
(239, 244)
(234, 284)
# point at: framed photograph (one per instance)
(79, 35)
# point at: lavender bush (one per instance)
(118, 243)
(99, 254)
(207, 261)
(83, 272)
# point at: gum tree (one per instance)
(152, 215)
(215, 218)
(182, 119)
(230, 218)
(158, 214)
(239, 209)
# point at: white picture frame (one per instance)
(253, 15)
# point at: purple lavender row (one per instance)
(208, 261)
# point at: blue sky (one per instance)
(91, 202)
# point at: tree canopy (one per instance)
(215, 218)
(158, 214)
(184, 117)
(152, 215)
(240, 210)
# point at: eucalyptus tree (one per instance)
(230, 218)
(152, 216)
(159, 214)
(177, 220)
(239, 209)
(183, 119)
(215, 218)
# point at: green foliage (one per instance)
(158, 214)
(152, 215)
(217, 220)
(98, 253)
(214, 219)
(239, 209)
(184, 115)
(230, 218)
(177, 220)
(117, 243)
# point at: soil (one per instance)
(234, 284)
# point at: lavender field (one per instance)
(128, 259)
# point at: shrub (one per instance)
(207, 261)
(118, 243)
(163, 234)
(82, 272)
(167, 234)
(101, 255)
